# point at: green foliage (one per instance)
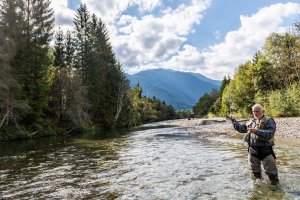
(76, 85)
(27, 27)
(284, 103)
(32, 61)
(216, 108)
(205, 104)
(145, 110)
(8, 133)
(282, 50)
(271, 79)
(263, 74)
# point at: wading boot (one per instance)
(257, 175)
(274, 179)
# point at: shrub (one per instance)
(284, 103)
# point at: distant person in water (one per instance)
(260, 137)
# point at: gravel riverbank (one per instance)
(211, 127)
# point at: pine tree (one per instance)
(102, 76)
(12, 23)
(32, 59)
(58, 87)
(69, 44)
(101, 72)
(82, 25)
(59, 50)
(10, 103)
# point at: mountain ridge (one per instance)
(182, 90)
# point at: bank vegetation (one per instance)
(271, 78)
(75, 84)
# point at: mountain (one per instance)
(182, 90)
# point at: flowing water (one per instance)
(155, 163)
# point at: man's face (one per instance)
(257, 113)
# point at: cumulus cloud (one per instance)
(146, 41)
(239, 46)
(63, 15)
(153, 39)
(146, 5)
(189, 57)
(110, 11)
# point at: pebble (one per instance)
(287, 127)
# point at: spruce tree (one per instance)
(101, 72)
(81, 21)
(58, 87)
(69, 44)
(32, 60)
(11, 105)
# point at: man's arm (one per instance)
(242, 128)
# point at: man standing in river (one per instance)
(260, 138)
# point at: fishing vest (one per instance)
(261, 124)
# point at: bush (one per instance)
(284, 103)
(8, 133)
(293, 100)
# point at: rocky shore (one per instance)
(212, 127)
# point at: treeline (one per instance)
(271, 78)
(77, 84)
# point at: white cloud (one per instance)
(63, 15)
(150, 41)
(189, 57)
(146, 41)
(146, 5)
(108, 10)
(112, 10)
(240, 45)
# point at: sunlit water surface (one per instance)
(156, 163)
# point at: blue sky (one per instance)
(211, 37)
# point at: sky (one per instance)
(211, 37)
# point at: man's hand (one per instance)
(252, 130)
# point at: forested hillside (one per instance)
(271, 78)
(76, 85)
(180, 89)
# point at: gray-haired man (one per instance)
(260, 138)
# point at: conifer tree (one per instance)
(58, 87)
(82, 21)
(11, 104)
(70, 48)
(32, 59)
(101, 72)
(104, 76)
(59, 50)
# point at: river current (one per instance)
(148, 163)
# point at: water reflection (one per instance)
(147, 163)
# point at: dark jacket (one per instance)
(264, 136)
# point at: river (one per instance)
(147, 163)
